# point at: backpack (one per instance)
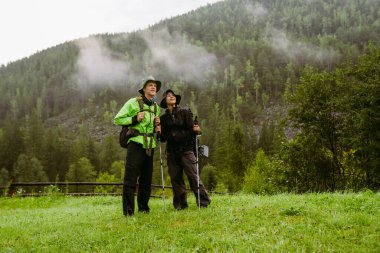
(126, 133)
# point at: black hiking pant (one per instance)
(179, 162)
(138, 167)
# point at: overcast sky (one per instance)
(28, 26)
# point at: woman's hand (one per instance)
(197, 129)
(156, 120)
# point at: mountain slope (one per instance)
(231, 61)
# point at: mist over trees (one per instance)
(287, 94)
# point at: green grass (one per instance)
(338, 222)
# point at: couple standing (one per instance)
(177, 128)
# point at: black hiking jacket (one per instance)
(177, 129)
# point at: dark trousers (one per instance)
(138, 166)
(185, 162)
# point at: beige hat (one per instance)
(150, 79)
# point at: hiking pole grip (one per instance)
(196, 123)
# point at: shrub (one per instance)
(262, 176)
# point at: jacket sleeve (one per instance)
(189, 120)
(190, 123)
(164, 130)
(126, 115)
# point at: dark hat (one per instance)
(163, 101)
(150, 79)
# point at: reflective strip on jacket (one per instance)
(146, 125)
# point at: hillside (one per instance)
(239, 42)
(234, 63)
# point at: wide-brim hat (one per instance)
(163, 101)
(150, 79)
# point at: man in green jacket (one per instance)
(142, 116)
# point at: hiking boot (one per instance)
(129, 212)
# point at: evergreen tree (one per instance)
(230, 156)
(56, 154)
(81, 171)
(110, 152)
(11, 145)
(117, 169)
(29, 169)
(4, 177)
(34, 133)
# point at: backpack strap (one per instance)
(141, 104)
(147, 136)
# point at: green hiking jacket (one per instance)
(146, 125)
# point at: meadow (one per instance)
(326, 222)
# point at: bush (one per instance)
(208, 177)
(106, 177)
(81, 171)
(262, 176)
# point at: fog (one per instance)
(98, 66)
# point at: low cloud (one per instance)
(98, 66)
(172, 53)
(258, 11)
(180, 57)
(294, 49)
(310, 1)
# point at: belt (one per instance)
(148, 147)
(179, 149)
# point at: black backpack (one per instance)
(126, 133)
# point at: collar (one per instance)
(175, 109)
(147, 101)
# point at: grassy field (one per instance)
(338, 222)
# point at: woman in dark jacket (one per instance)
(179, 131)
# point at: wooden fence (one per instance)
(11, 189)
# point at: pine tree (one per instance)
(81, 171)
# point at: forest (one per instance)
(287, 94)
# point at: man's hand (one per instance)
(156, 120)
(196, 129)
(140, 116)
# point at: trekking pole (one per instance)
(197, 162)
(162, 175)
